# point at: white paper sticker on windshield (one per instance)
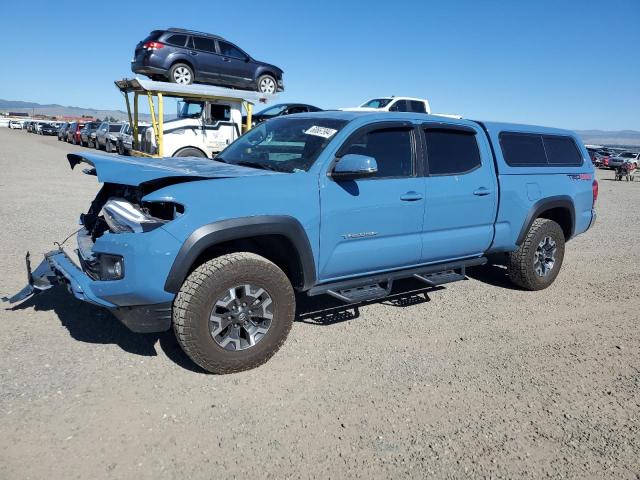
(323, 132)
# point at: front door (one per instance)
(219, 128)
(238, 70)
(374, 224)
(461, 194)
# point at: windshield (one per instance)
(377, 103)
(115, 128)
(283, 144)
(190, 109)
(271, 111)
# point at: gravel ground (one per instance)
(482, 380)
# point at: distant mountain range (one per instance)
(599, 137)
(60, 110)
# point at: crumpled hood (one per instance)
(137, 170)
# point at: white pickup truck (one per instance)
(393, 104)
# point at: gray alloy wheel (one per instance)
(545, 256)
(267, 84)
(181, 74)
(241, 318)
(537, 261)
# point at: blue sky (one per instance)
(571, 64)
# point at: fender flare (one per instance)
(544, 204)
(214, 233)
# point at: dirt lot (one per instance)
(480, 381)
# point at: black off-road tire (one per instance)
(520, 263)
(209, 282)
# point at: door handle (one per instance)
(225, 59)
(481, 192)
(194, 53)
(411, 197)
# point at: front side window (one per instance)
(230, 51)
(283, 144)
(190, 109)
(391, 148)
(205, 44)
(219, 113)
(451, 152)
(377, 103)
(272, 111)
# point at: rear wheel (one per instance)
(181, 73)
(536, 263)
(234, 312)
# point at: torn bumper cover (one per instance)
(57, 268)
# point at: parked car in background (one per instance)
(15, 124)
(107, 135)
(280, 110)
(393, 104)
(73, 132)
(125, 140)
(62, 131)
(624, 157)
(88, 134)
(186, 56)
(48, 129)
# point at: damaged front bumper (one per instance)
(58, 269)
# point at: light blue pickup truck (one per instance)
(337, 203)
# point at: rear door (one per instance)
(238, 69)
(374, 224)
(203, 53)
(461, 192)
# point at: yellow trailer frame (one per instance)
(156, 93)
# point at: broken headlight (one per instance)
(125, 217)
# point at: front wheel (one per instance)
(234, 312)
(537, 261)
(267, 84)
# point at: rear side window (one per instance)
(206, 44)
(177, 40)
(561, 150)
(533, 150)
(399, 106)
(451, 152)
(417, 107)
(522, 149)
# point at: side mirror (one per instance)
(353, 166)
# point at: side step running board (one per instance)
(370, 288)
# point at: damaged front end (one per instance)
(123, 256)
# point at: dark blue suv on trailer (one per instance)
(186, 56)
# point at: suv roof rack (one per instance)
(184, 30)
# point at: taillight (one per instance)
(153, 45)
(594, 188)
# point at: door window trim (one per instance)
(451, 127)
(416, 147)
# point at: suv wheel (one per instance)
(267, 84)
(536, 263)
(181, 73)
(234, 312)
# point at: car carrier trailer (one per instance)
(210, 119)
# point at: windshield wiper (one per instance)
(262, 166)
